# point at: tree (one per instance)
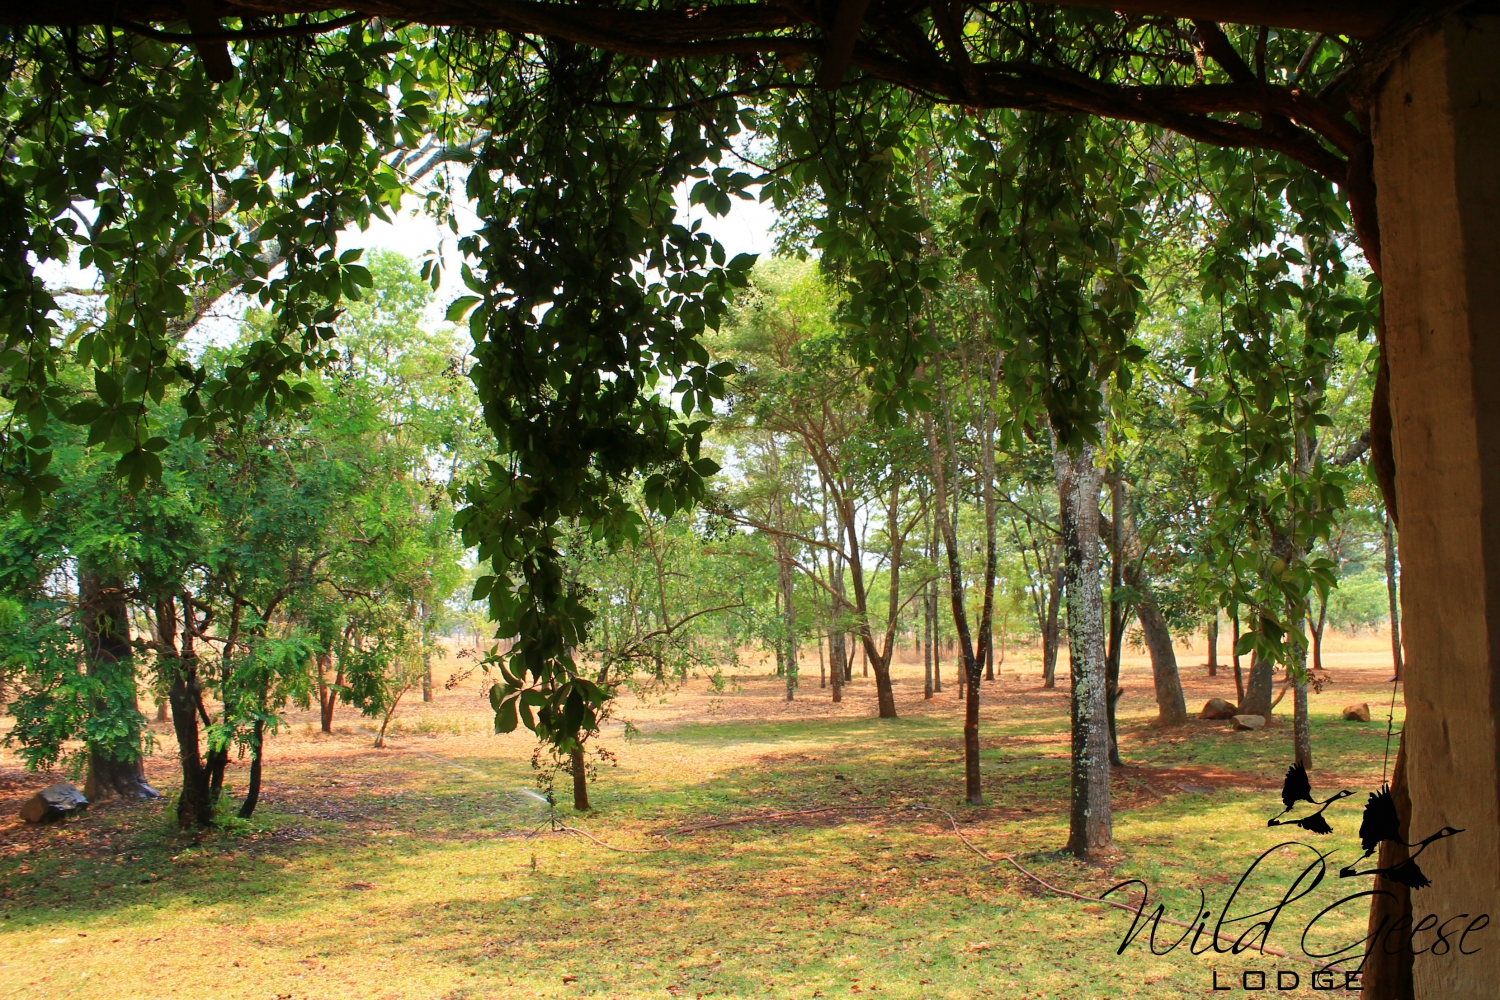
(799, 385)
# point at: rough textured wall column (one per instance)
(1437, 141)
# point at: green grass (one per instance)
(421, 871)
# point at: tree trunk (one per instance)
(991, 554)
(969, 679)
(579, 767)
(1171, 705)
(1050, 633)
(781, 640)
(1116, 610)
(1301, 730)
(1393, 594)
(928, 653)
(327, 697)
(1213, 644)
(789, 609)
(118, 770)
(426, 675)
(1256, 699)
(836, 659)
(1234, 652)
(217, 761)
(937, 643)
(194, 807)
(1317, 633)
(885, 695)
(837, 655)
(822, 671)
(257, 749)
(1090, 827)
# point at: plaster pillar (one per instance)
(1437, 167)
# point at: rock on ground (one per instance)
(1357, 713)
(1249, 721)
(53, 802)
(1218, 708)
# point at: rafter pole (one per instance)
(202, 18)
(841, 38)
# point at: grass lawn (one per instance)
(425, 870)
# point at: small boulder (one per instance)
(1357, 713)
(1249, 721)
(1217, 708)
(53, 802)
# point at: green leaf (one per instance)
(460, 307)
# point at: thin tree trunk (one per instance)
(217, 761)
(1116, 608)
(1213, 644)
(822, 671)
(1317, 636)
(1050, 633)
(937, 643)
(838, 671)
(579, 767)
(108, 660)
(426, 654)
(257, 750)
(969, 678)
(327, 697)
(1090, 826)
(1234, 651)
(790, 610)
(991, 554)
(781, 641)
(1393, 594)
(927, 651)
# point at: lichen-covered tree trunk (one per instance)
(1090, 826)
(118, 770)
(1301, 725)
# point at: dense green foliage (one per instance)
(1031, 238)
(314, 550)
